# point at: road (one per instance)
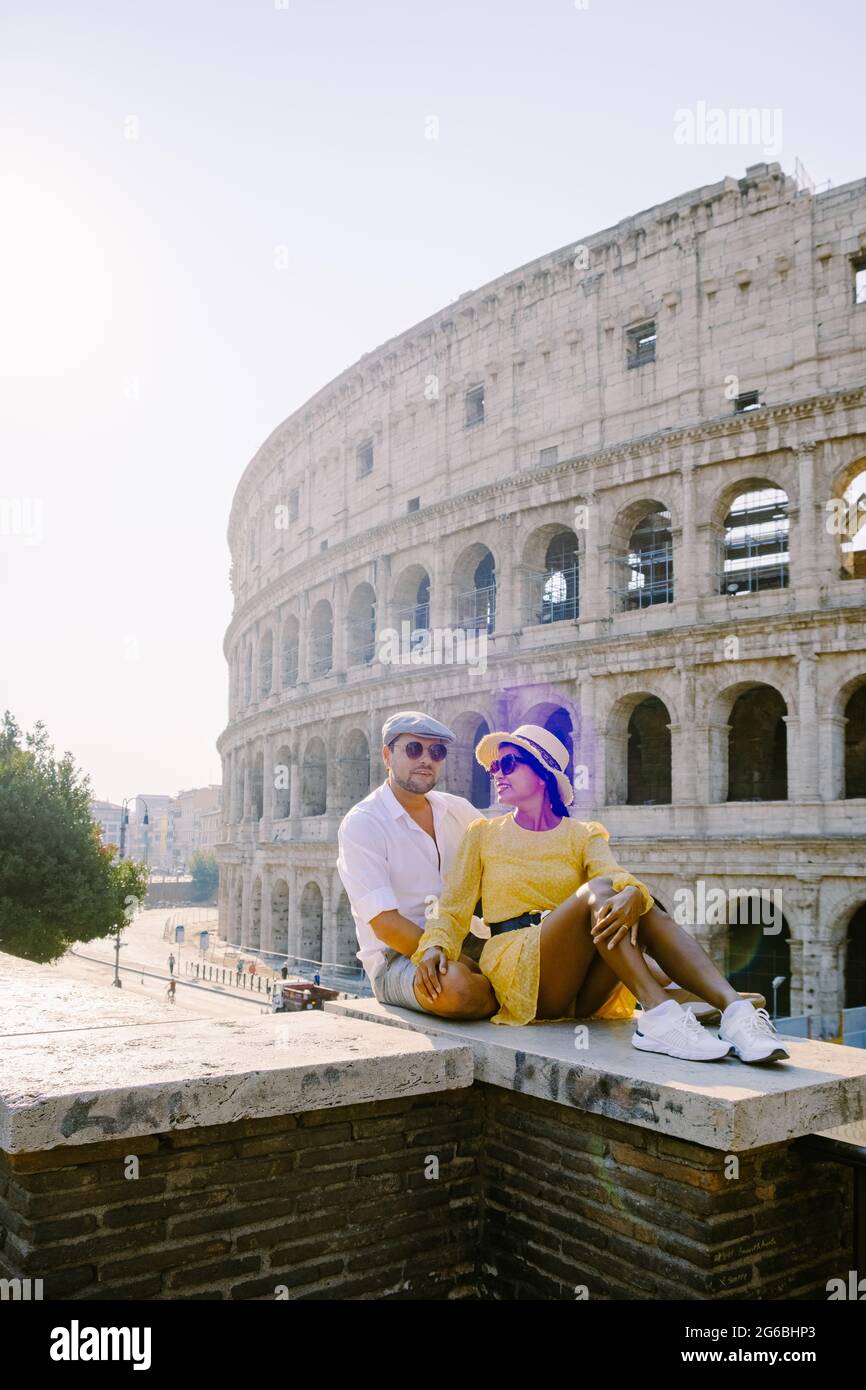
(144, 970)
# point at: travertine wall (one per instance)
(750, 285)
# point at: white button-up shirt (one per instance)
(387, 862)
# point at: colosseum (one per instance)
(621, 486)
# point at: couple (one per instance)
(569, 928)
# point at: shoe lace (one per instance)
(687, 1027)
(760, 1022)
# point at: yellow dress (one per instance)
(514, 870)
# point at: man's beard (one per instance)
(407, 786)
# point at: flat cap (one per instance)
(413, 721)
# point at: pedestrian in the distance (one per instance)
(285, 972)
(170, 992)
(252, 967)
(171, 964)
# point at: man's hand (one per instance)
(618, 917)
(433, 963)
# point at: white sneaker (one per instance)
(752, 1033)
(675, 1031)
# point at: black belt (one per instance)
(526, 919)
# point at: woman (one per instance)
(565, 920)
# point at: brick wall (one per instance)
(331, 1203)
(532, 1200)
(576, 1199)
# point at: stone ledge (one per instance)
(722, 1105)
(139, 1069)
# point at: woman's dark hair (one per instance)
(557, 805)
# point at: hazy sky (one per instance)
(154, 156)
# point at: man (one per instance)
(395, 849)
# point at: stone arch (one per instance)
(756, 957)
(280, 916)
(255, 938)
(266, 663)
(321, 638)
(347, 940)
(361, 625)
(248, 673)
(240, 786)
(290, 646)
(642, 555)
(410, 599)
(652, 753)
(314, 778)
(282, 773)
(551, 569)
(237, 912)
(854, 714)
(847, 517)
(311, 922)
(758, 746)
(466, 776)
(750, 533)
(474, 582)
(855, 959)
(257, 793)
(354, 768)
(648, 755)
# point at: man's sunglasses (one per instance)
(414, 749)
(507, 763)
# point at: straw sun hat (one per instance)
(544, 746)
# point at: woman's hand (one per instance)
(618, 917)
(432, 964)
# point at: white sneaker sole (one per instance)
(778, 1054)
(644, 1043)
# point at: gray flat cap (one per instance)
(413, 721)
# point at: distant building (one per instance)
(154, 843)
(107, 817)
(196, 821)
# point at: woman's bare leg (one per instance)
(567, 951)
(684, 959)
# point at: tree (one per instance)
(58, 882)
(205, 876)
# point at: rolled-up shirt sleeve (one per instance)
(599, 862)
(362, 864)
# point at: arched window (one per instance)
(311, 924)
(321, 639)
(361, 626)
(559, 590)
(649, 754)
(266, 664)
(476, 607)
(855, 744)
(314, 779)
(852, 529)
(480, 790)
(650, 562)
(289, 654)
(756, 543)
(757, 747)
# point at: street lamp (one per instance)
(776, 982)
(124, 822)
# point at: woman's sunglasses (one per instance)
(507, 763)
(414, 749)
